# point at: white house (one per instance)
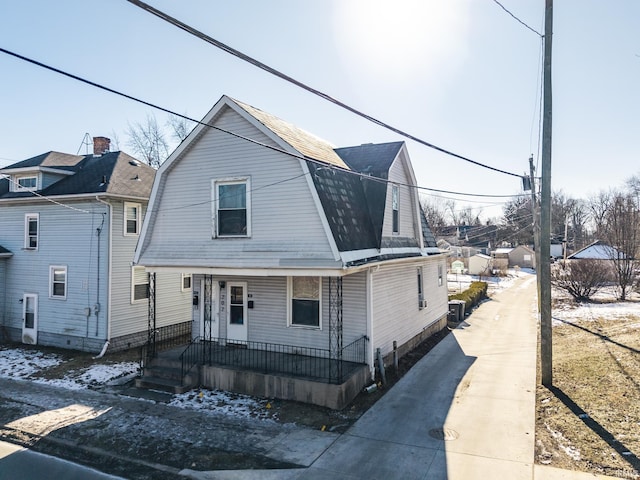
(69, 225)
(296, 248)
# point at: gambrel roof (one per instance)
(114, 173)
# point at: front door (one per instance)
(30, 318)
(209, 324)
(237, 311)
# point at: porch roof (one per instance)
(4, 253)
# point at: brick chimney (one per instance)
(101, 145)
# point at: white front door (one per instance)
(237, 311)
(30, 318)
(209, 312)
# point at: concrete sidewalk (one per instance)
(466, 411)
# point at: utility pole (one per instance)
(536, 227)
(545, 209)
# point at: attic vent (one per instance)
(104, 180)
(134, 163)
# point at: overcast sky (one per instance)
(460, 74)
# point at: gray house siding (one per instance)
(49, 179)
(66, 238)
(407, 212)
(267, 321)
(186, 208)
(396, 315)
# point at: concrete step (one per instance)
(171, 373)
(163, 384)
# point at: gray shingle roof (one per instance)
(124, 175)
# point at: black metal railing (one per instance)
(164, 338)
(276, 359)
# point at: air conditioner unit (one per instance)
(422, 303)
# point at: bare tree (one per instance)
(180, 127)
(622, 232)
(598, 207)
(148, 141)
(580, 278)
(435, 212)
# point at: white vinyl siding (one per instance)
(31, 231)
(280, 228)
(132, 218)
(139, 284)
(407, 219)
(58, 282)
(396, 315)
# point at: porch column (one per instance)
(335, 329)
(206, 316)
(151, 341)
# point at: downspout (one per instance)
(370, 357)
(97, 306)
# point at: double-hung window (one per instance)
(58, 282)
(132, 218)
(395, 207)
(139, 284)
(232, 207)
(31, 231)
(305, 301)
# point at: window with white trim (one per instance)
(132, 218)
(440, 275)
(305, 300)
(31, 230)
(139, 284)
(232, 207)
(25, 183)
(186, 282)
(395, 207)
(58, 282)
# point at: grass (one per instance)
(590, 419)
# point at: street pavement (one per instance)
(466, 411)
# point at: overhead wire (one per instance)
(236, 135)
(236, 53)
(514, 17)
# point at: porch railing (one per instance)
(164, 338)
(271, 358)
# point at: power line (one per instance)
(277, 73)
(516, 18)
(166, 110)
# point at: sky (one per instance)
(460, 74)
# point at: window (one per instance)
(139, 284)
(186, 282)
(132, 217)
(439, 275)
(395, 204)
(232, 208)
(58, 282)
(26, 183)
(304, 304)
(31, 230)
(236, 304)
(421, 300)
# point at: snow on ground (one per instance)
(31, 365)
(227, 403)
(460, 282)
(605, 307)
(18, 363)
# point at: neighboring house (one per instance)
(500, 258)
(457, 266)
(597, 250)
(69, 225)
(302, 255)
(480, 264)
(522, 256)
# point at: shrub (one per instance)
(473, 295)
(581, 278)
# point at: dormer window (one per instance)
(26, 183)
